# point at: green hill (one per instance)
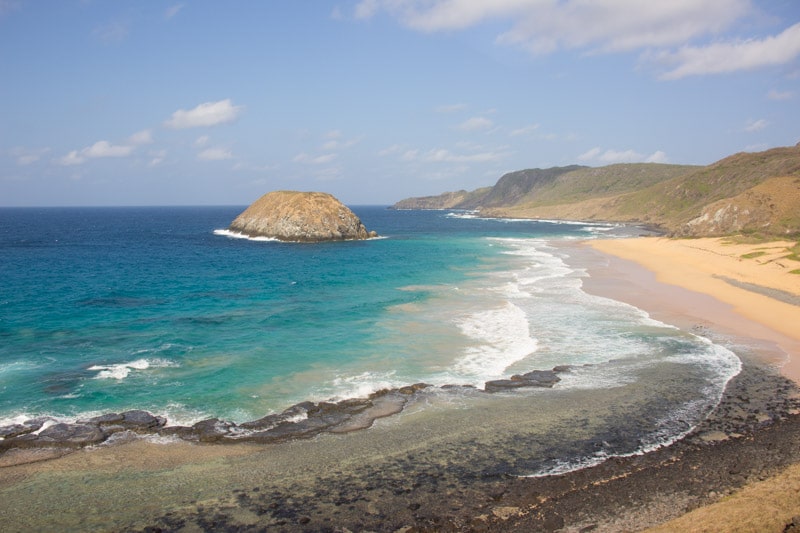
(736, 194)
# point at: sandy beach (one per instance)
(435, 470)
(746, 291)
(754, 280)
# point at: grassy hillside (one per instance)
(677, 201)
(746, 192)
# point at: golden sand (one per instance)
(756, 280)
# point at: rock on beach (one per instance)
(300, 217)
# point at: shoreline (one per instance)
(410, 471)
(749, 298)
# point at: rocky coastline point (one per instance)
(295, 216)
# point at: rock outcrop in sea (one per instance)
(300, 217)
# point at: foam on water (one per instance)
(121, 371)
(238, 235)
(501, 336)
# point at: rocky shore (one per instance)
(751, 435)
(303, 420)
(450, 484)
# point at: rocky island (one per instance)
(294, 216)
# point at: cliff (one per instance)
(300, 217)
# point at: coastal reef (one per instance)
(303, 420)
(300, 217)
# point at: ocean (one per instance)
(159, 308)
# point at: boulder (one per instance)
(300, 217)
(71, 435)
(536, 378)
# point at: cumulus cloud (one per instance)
(590, 154)
(106, 149)
(725, 57)
(214, 154)
(476, 124)
(102, 149)
(98, 150)
(756, 125)
(207, 114)
(141, 137)
(610, 157)
(671, 34)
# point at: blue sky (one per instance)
(202, 102)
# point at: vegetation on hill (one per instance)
(746, 192)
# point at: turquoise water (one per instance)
(107, 309)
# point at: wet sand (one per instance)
(444, 468)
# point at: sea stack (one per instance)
(300, 217)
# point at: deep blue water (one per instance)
(106, 309)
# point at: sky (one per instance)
(215, 103)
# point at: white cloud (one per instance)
(525, 130)
(141, 137)
(590, 154)
(756, 125)
(314, 160)
(610, 157)
(686, 36)
(173, 10)
(27, 156)
(614, 156)
(207, 114)
(476, 124)
(214, 154)
(657, 157)
(202, 140)
(366, 9)
(72, 158)
(545, 26)
(780, 95)
(725, 57)
(389, 150)
(158, 157)
(98, 150)
(106, 149)
(410, 155)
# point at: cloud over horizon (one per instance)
(206, 114)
